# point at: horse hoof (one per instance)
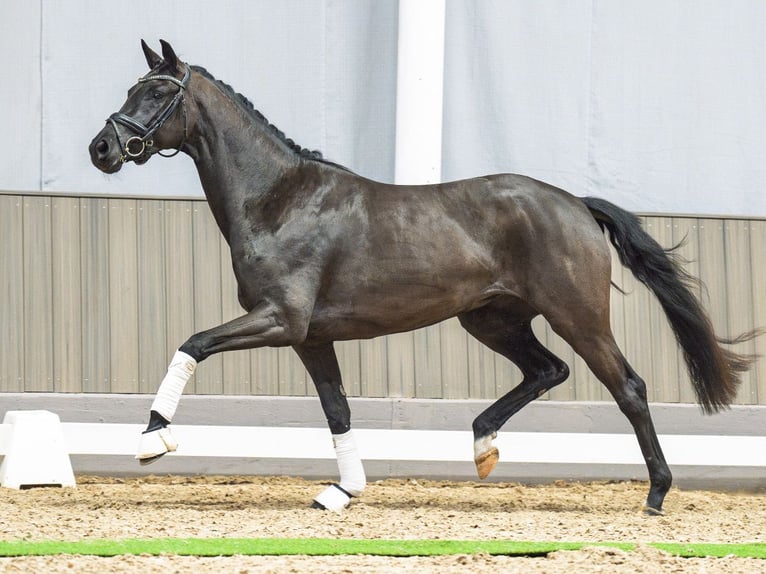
(154, 444)
(486, 462)
(649, 511)
(332, 498)
(150, 460)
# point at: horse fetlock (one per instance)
(486, 455)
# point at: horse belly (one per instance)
(361, 309)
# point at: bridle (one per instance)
(136, 146)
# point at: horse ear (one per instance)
(152, 58)
(170, 56)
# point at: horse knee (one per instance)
(335, 407)
(338, 424)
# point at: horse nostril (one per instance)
(102, 148)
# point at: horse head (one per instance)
(153, 117)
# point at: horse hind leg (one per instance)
(542, 370)
(600, 352)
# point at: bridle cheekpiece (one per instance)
(137, 145)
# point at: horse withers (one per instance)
(322, 254)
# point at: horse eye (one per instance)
(157, 95)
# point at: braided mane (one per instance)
(250, 108)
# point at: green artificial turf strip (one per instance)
(754, 550)
(284, 546)
(334, 547)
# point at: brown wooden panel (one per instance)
(123, 295)
(236, 364)
(206, 251)
(712, 269)
(374, 367)
(739, 298)
(38, 304)
(454, 355)
(568, 389)
(94, 258)
(349, 353)
(428, 368)
(685, 234)
(293, 379)
(481, 370)
(401, 365)
(638, 334)
(712, 264)
(105, 290)
(264, 369)
(662, 380)
(67, 287)
(179, 278)
(152, 295)
(758, 284)
(12, 294)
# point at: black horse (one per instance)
(322, 254)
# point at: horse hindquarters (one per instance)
(570, 287)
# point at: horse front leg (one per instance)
(263, 326)
(322, 364)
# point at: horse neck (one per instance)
(236, 156)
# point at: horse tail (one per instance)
(714, 371)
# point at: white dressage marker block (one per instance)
(35, 451)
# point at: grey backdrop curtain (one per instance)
(659, 106)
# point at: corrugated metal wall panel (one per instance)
(123, 295)
(38, 304)
(686, 236)
(207, 293)
(98, 294)
(94, 267)
(758, 285)
(11, 294)
(152, 295)
(67, 294)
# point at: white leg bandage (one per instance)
(352, 477)
(169, 394)
(154, 444)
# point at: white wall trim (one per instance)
(548, 440)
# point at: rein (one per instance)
(136, 146)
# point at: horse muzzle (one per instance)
(105, 153)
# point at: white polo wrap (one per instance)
(352, 477)
(169, 394)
